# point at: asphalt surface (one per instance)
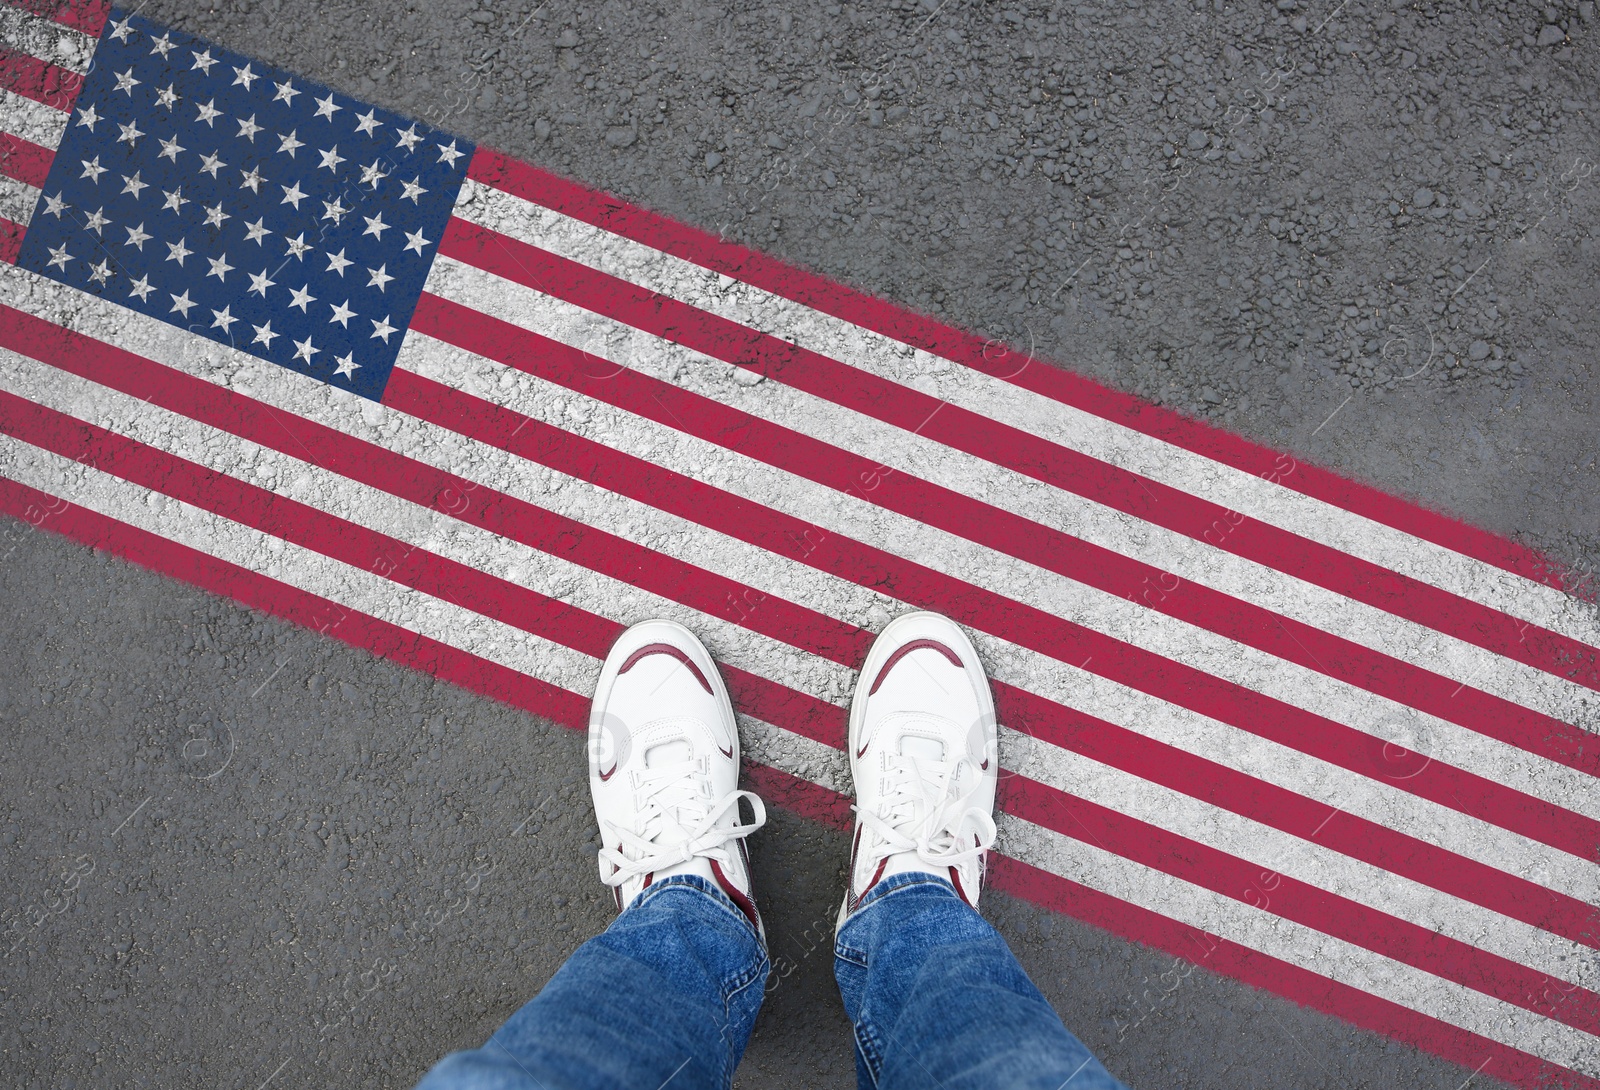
(1366, 233)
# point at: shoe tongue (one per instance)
(927, 749)
(667, 753)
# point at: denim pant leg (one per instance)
(938, 999)
(669, 990)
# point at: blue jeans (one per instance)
(667, 995)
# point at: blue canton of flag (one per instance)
(246, 205)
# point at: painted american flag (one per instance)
(450, 408)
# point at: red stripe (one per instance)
(26, 162)
(1329, 913)
(708, 251)
(88, 16)
(816, 719)
(1007, 532)
(11, 235)
(1019, 879)
(30, 77)
(1053, 636)
(1312, 821)
(429, 487)
(292, 604)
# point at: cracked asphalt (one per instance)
(236, 853)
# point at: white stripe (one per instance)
(1223, 917)
(1009, 403)
(1281, 854)
(1374, 799)
(17, 200)
(47, 40)
(1055, 594)
(421, 527)
(918, 456)
(1297, 944)
(33, 121)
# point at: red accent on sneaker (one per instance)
(651, 877)
(955, 880)
(728, 753)
(746, 905)
(677, 653)
(877, 874)
(604, 776)
(914, 645)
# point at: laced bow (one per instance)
(675, 800)
(919, 814)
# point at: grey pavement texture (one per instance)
(1363, 232)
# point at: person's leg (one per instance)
(938, 999)
(670, 991)
(933, 992)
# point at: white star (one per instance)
(96, 220)
(331, 158)
(338, 263)
(371, 175)
(162, 45)
(264, 335)
(450, 154)
(292, 194)
(88, 117)
(299, 298)
(411, 190)
(382, 329)
(130, 134)
(170, 149)
(134, 185)
(249, 128)
(210, 164)
(244, 76)
(259, 283)
(375, 226)
(367, 122)
(303, 350)
(142, 288)
(92, 169)
(122, 28)
(181, 302)
(208, 113)
(333, 210)
(289, 143)
(342, 314)
(100, 272)
(347, 364)
(379, 277)
(175, 200)
(177, 252)
(168, 96)
(286, 92)
(298, 246)
(126, 83)
(59, 257)
(409, 138)
(215, 216)
(55, 205)
(222, 318)
(137, 236)
(255, 232)
(252, 179)
(203, 61)
(326, 107)
(220, 267)
(415, 241)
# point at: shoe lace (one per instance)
(675, 802)
(921, 812)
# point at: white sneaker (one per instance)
(664, 768)
(923, 754)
